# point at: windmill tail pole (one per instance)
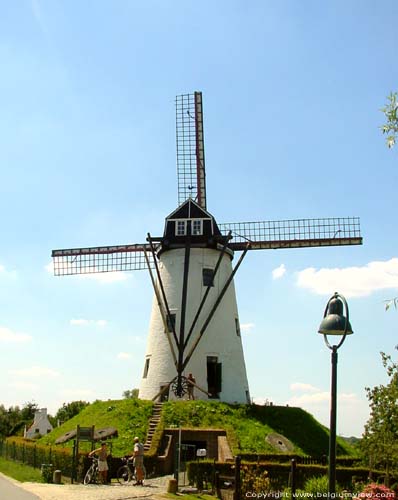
(214, 308)
(183, 313)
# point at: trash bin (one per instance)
(57, 477)
(47, 472)
(172, 486)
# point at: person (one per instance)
(191, 382)
(102, 461)
(138, 462)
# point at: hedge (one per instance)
(28, 452)
(278, 473)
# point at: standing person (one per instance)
(138, 461)
(191, 382)
(102, 461)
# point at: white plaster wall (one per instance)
(220, 338)
(40, 422)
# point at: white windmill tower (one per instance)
(194, 326)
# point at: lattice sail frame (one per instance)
(102, 259)
(190, 149)
(295, 233)
(298, 233)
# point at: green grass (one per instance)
(20, 472)
(247, 426)
(129, 416)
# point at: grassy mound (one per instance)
(129, 416)
(247, 426)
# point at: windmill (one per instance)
(194, 325)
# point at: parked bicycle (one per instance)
(92, 472)
(126, 473)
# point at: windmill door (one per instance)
(214, 376)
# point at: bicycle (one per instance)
(126, 473)
(92, 472)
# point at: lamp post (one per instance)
(334, 323)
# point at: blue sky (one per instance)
(292, 95)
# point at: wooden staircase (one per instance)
(153, 423)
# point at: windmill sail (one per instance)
(102, 259)
(297, 233)
(190, 149)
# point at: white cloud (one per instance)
(35, 372)
(8, 335)
(74, 394)
(7, 273)
(88, 322)
(247, 327)
(300, 387)
(351, 281)
(23, 386)
(278, 272)
(124, 355)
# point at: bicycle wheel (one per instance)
(88, 478)
(124, 475)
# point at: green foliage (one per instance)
(69, 410)
(380, 443)
(319, 484)
(131, 394)
(13, 419)
(29, 452)
(391, 113)
(129, 416)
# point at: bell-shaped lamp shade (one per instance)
(335, 323)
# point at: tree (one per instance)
(391, 113)
(69, 410)
(131, 394)
(380, 439)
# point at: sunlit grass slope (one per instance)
(247, 426)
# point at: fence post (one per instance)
(23, 453)
(293, 477)
(237, 478)
(34, 457)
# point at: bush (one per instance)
(375, 491)
(254, 480)
(316, 485)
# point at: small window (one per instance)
(146, 368)
(171, 322)
(197, 227)
(208, 277)
(181, 228)
(237, 327)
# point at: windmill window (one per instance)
(146, 368)
(181, 228)
(208, 277)
(171, 322)
(197, 227)
(237, 327)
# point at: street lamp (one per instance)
(334, 323)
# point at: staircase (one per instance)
(153, 423)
